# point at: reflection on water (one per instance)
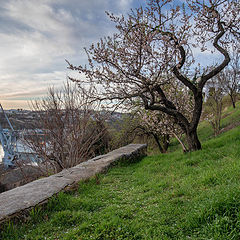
(1, 153)
(21, 148)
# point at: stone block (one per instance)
(16, 202)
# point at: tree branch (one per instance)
(223, 51)
(177, 67)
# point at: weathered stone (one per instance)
(15, 202)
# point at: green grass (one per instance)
(232, 116)
(171, 196)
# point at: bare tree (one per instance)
(153, 48)
(214, 104)
(71, 130)
(230, 77)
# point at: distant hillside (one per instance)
(30, 119)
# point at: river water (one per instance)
(20, 148)
(1, 153)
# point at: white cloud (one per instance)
(38, 15)
(37, 36)
(125, 4)
(45, 36)
(30, 51)
(29, 86)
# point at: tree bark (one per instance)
(190, 129)
(193, 141)
(165, 142)
(162, 150)
(233, 101)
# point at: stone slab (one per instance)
(18, 200)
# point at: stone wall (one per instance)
(17, 202)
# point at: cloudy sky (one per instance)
(36, 36)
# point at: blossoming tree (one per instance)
(153, 48)
(160, 126)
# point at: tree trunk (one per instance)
(193, 141)
(159, 144)
(191, 130)
(165, 143)
(233, 101)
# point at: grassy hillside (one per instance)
(171, 196)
